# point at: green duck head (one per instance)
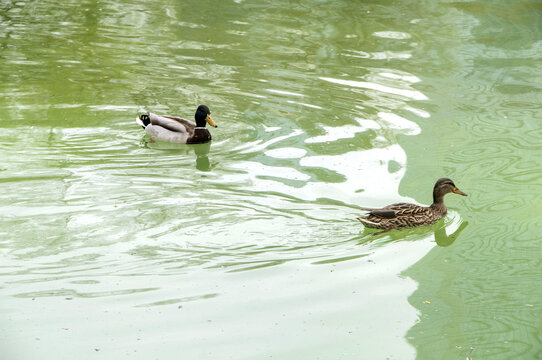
(203, 116)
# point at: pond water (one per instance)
(116, 246)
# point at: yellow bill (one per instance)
(457, 191)
(210, 121)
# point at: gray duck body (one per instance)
(178, 130)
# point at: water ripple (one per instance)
(411, 94)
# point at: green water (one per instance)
(113, 246)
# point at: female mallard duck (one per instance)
(175, 129)
(404, 215)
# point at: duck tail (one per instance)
(144, 120)
(361, 219)
(367, 223)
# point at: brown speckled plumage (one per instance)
(405, 215)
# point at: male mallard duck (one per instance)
(175, 129)
(404, 215)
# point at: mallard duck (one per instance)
(404, 215)
(174, 129)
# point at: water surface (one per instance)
(113, 245)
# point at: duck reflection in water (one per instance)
(441, 237)
(202, 160)
(201, 150)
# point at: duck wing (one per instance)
(186, 123)
(397, 210)
(172, 123)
